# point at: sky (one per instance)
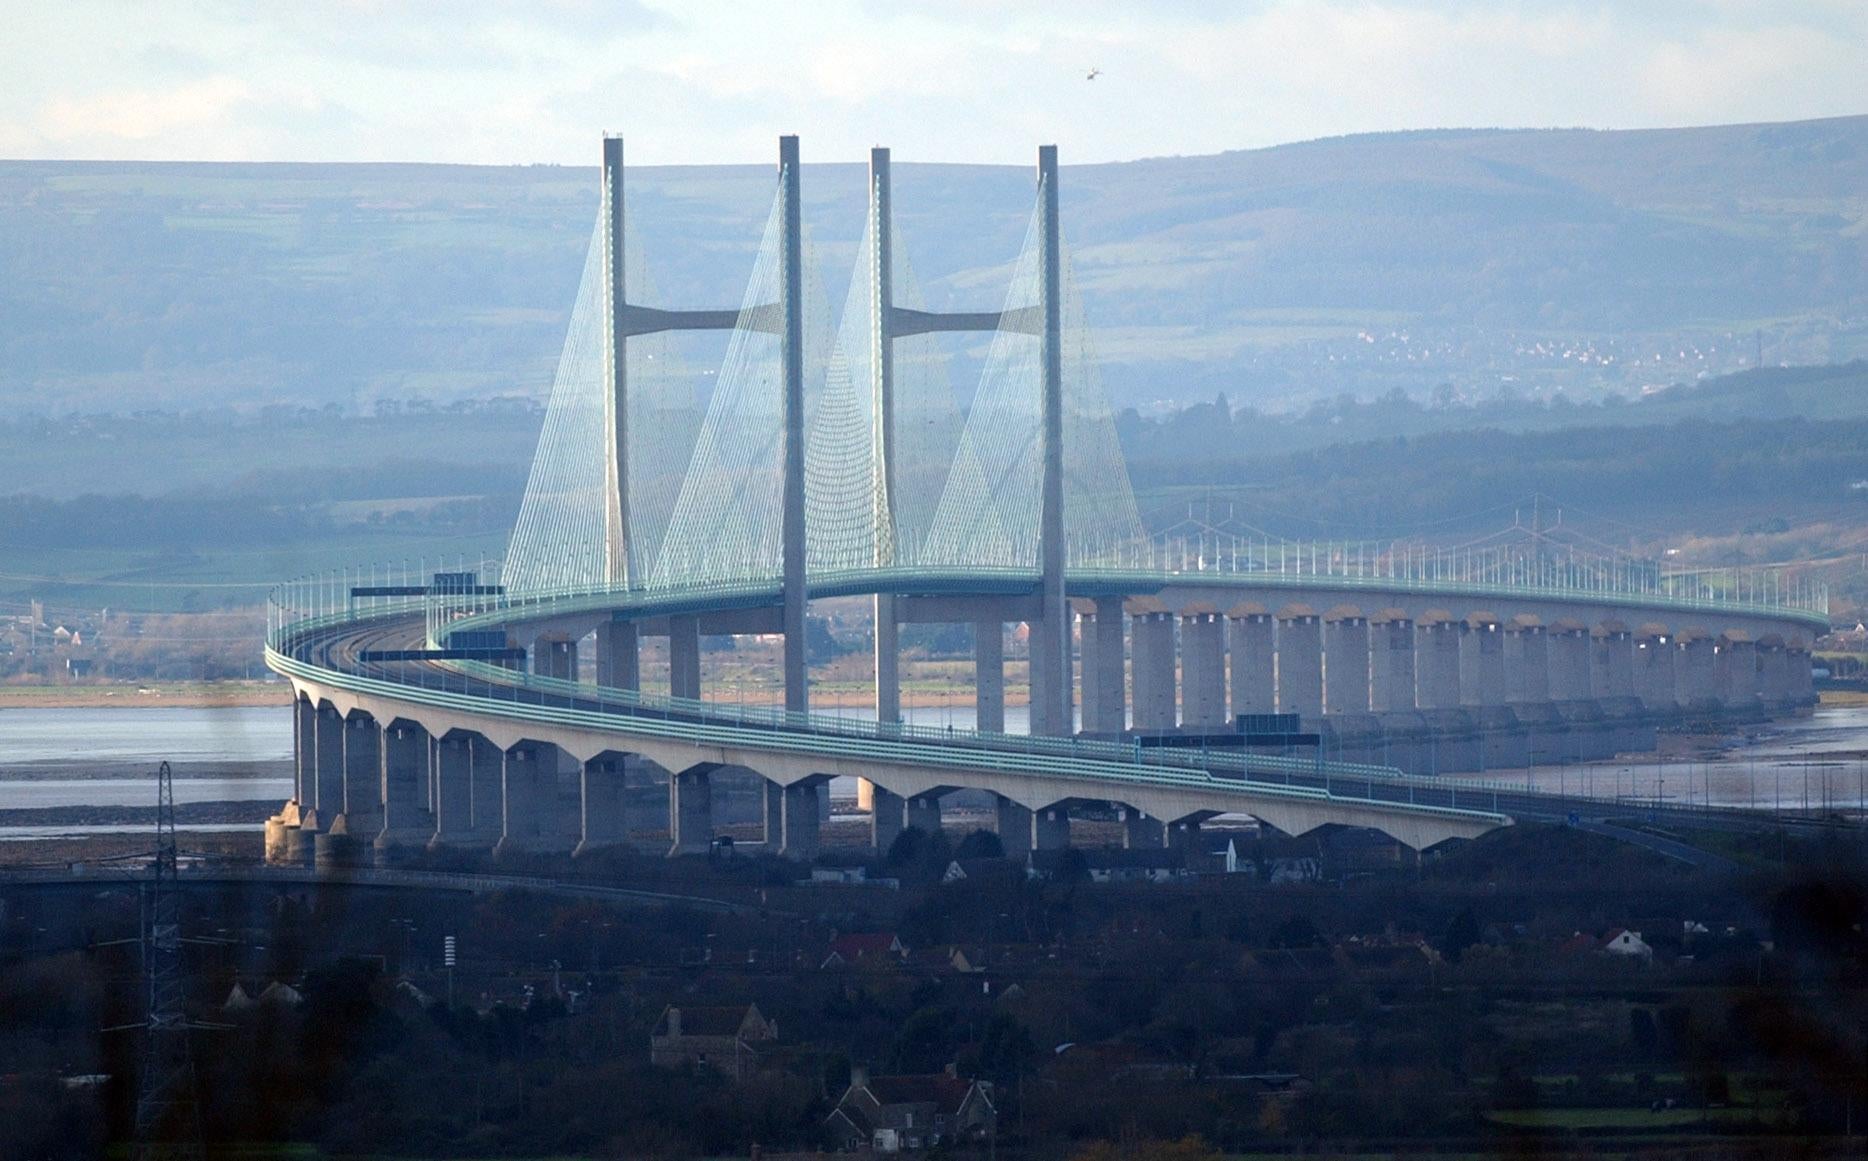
(693, 81)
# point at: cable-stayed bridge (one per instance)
(831, 458)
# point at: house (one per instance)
(865, 949)
(910, 1114)
(1218, 854)
(986, 870)
(857, 876)
(951, 958)
(1621, 941)
(725, 1039)
(1137, 865)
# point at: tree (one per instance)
(1461, 933)
(981, 844)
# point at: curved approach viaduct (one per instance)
(449, 711)
(400, 744)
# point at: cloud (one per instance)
(143, 114)
(948, 80)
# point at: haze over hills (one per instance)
(1462, 261)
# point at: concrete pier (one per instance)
(1013, 822)
(1050, 828)
(1153, 641)
(603, 804)
(989, 676)
(1527, 664)
(923, 812)
(1391, 662)
(888, 660)
(619, 658)
(453, 789)
(887, 819)
(798, 839)
(487, 787)
(327, 784)
(555, 657)
(1483, 690)
(1737, 666)
(1140, 831)
(406, 820)
(1654, 677)
(684, 668)
(304, 750)
(1695, 673)
(1111, 694)
(690, 810)
(1345, 663)
(1254, 663)
(363, 776)
(530, 785)
(1568, 658)
(1203, 671)
(1437, 643)
(1300, 664)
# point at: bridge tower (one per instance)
(881, 275)
(1050, 657)
(791, 354)
(1050, 638)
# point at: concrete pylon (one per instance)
(791, 357)
(1345, 663)
(616, 399)
(1254, 658)
(1051, 709)
(1300, 664)
(1203, 671)
(881, 275)
(1154, 671)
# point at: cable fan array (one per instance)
(705, 490)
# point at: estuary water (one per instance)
(109, 735)
(95, 756)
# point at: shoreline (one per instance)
(171, 695)
(82, 770)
